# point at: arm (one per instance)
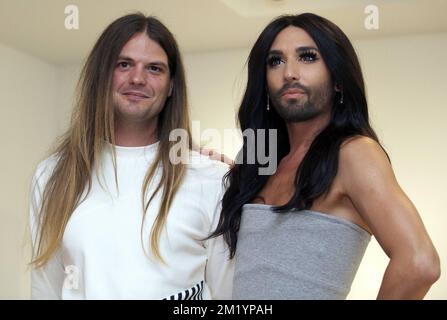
(46, 281)
(213, 154)
(369, 182)
(219, 268)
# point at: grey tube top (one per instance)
(296, 255)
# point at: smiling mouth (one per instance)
(135, 95)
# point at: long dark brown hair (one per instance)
(319, 166)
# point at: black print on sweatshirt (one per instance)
(194, 293)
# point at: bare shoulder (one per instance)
(361, 150)
(363, 161)
(358, 144)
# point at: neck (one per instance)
(302, 134)
(135, 134)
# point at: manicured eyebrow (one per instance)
(306, 48)
(298, 50)
(275, 52)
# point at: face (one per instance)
(141, 80)
(298, 80)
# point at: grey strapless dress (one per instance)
(296, 255)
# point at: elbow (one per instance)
(434, 272)
(426, 267)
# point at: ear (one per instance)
(171, 87)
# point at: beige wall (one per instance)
(406, 90)
(216, 82)
(407, 93)
(28, 89)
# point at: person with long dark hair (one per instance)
(301, 232)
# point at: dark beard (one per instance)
(307, 107)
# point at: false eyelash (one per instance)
(309, 54)
(272, 59)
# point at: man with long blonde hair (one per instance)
(111, 215)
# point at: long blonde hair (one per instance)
(92, 123)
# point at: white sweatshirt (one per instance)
(101, 256)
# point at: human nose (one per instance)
(291, 72)
(138, 76)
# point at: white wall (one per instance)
(27, 126)
(406, 90)
(216, 82)
(407, 93)
(67, 80)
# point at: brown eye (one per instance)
(155, 69)
(273, 61)
(123, 65)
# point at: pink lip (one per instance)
(293, 92)
(136, 94)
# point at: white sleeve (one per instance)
(219, 268)
(46, 281)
